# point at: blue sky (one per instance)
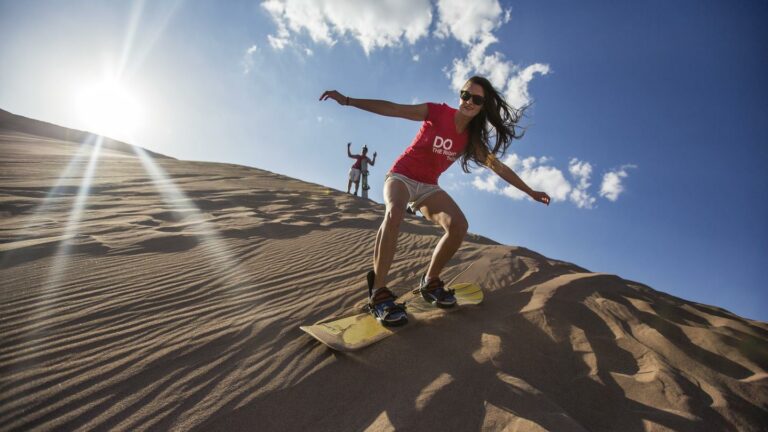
(665, 100)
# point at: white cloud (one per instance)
(508, 78)
(277, 8)
(507, 15)
(544, 178)
(468, 22)
(477, 62)
(278, 43)
(516, 92)
(533, 172)
(488, 184)
(247, 62)
(451, 182)
(380, 24)
(612, 185)
(540, 174)
(582, 198)
(374, 24)
(474, 26)
(581, 171)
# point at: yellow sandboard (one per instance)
(354, 332)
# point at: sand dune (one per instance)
(170, 295)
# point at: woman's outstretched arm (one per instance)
(381, 107)
(512, 178)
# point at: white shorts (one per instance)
(354, 174)
(417, 191)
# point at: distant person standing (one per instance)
(359, 169)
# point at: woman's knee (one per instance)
(393, 217)
(457, 226)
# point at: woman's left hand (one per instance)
(540, 197)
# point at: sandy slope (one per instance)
(175, 303)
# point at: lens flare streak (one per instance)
(56, 271)
(221, 258)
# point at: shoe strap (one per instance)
(376, 292)
(439, 287)
(434, 285)
(422, 289)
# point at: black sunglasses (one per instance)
(476, 99)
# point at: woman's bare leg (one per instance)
(396, 198)
(442, 210)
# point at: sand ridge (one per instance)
(169, 298)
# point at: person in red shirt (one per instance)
(358, 167)
(447, 134)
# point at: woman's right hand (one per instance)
(333, 94)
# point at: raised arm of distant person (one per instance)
(386, 108)
(349, 153)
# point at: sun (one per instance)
(109, 108)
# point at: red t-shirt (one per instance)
(435, 148)
(359, 161)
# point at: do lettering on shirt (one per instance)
(443, 146)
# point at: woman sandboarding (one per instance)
(446, 134)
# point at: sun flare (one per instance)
(109, 108)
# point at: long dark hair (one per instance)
(503, 121)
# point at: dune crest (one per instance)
(143, 292)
